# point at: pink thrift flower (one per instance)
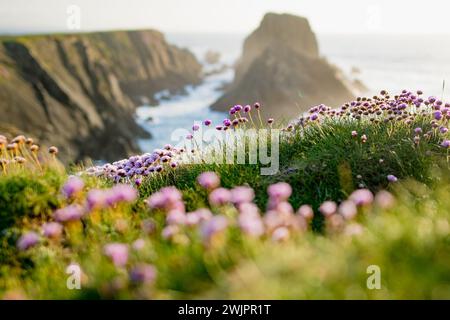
(27, 241)
(328, 208)
(52, 229)
(242, 195)
(209, 180)
(306, 212)
(143, 274)
(73, 186)
(348, 209)
(213, 226)
(280, 234)
(69, 213)
(384, 199)
(117, 252)
(361, 197)
(219, 197)
(279, 191)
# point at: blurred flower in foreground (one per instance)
(143, 273)
(73, 186)
(52, 229)
(28, 240)
(392, 178)
(209, 180)
(117, 252)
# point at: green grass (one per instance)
(409, 242)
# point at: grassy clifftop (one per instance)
(360, 188)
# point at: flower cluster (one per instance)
(234, 207)
(137, 167)
(404, 107)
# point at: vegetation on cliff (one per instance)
(360, 186)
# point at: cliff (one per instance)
(281, 67)
(79, 91)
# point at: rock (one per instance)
(281, 68)
(80, 91)
(212, 57)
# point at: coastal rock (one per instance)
(79, 91)
(281, 67)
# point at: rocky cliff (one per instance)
(79, 91)
(281, 67)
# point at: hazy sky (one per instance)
(228, 16)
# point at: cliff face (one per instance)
(79, 91)
(281, 68)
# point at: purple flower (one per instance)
(143, 273)
(219, 197)
(348, 209)
(117, 252)
(121, 193)
(257, 105)
(168, 198)
(354, 134)
(328, 208)
(73, 186)
(384, 199)
(27, 241)
(95, 199)
(226, 122)
(392, 178)
(418, 130)
(213, 226)
(138, 244)
(218, 128)
(247, 108)
(279, 191)
(361, 197)
(238, 107)
(52, 230)
(306, 212)
(138, 182)
(270, 120)
(176, 217)
(445, 144)
(437, 115)
(251, 225)
(280, 234)
(69, 213)
(443, 130)
(189, 136)
(207, 122)
(195, 127)
(208, 180)
(242, 195)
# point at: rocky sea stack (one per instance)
(79, 91)
(281, 67)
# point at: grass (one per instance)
(408, 241)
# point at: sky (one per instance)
(223, 16)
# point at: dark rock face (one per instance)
(79, 91)
(281, 68)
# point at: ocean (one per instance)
(390, 62)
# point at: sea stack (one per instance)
(281, 68)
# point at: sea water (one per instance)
(385, 62)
